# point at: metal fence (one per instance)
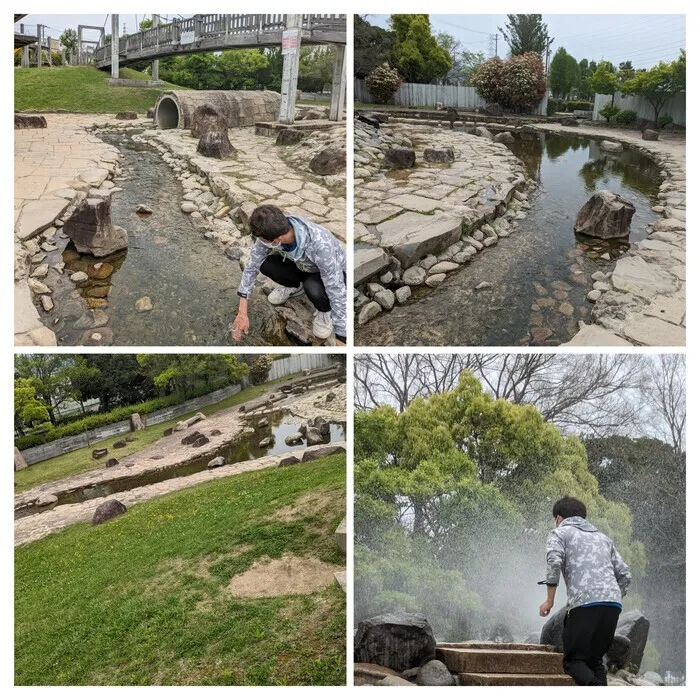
(675, 107)
(425, 95)
(297, 363)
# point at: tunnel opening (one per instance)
(167, 113)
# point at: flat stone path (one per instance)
(52, 166)
(646, 305)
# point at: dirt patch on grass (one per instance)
(289, 575)
(309, 504)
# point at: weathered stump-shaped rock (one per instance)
(452, 116)
(611, 146)
(200, 441)
(650, 135)
(91, 230)
(20, 462)
(293, 439)
(288, 461)
(438, 155)
(568, 121)
(330, 161)
(493, 109)
(99, 453)
(605, 215)
(151, 114)
(287, 137)
(314, 437)
(30, 121)
(119, 444)
(108, 510)
(126, 115)
(192, 437)
(215, 144)
(483, 132)
(319, 451)
(635, 627)
(207, 118)
(265, 442)
(216, 462)
(399, 158)
(112, 462)
(365, 119)
(136, 422)
(397, 640)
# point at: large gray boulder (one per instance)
(605, 215)
(619, 653)
(438, 155)
(91, 230)
(108, 510)
(215, 144)
(329, 161)
(20, 462)
(434, 673)
(397, 640)
(30, 121)
(399, 157)
(552, 631)
(635, 627)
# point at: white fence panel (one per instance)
(427, 95)
(675, 107)
(297, 363)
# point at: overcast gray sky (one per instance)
(57, 23)
(643, 39)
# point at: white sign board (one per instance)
(290, 41)
(187, 37)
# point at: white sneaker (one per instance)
(323, 325)
(280, 294)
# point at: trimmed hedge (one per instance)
(77, 427)
(557, 105)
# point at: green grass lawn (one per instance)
(143, 599)
(81, 460)
(82, 89)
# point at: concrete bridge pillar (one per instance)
(291, 49)
(80, 45)
(115, 46)
(155, 66)
(39, 48)
(338, 89)
(24, 61)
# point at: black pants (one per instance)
(286, 273)
(588, 634)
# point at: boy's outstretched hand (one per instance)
(241, 325)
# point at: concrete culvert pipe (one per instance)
(175, 108)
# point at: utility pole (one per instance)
(548, 51)
(155, 66)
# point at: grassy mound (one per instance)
(82, 89)
(144, 599)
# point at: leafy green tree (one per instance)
(113, 379)
(83, 378)
(464, 62)
(525, 34)
(658, 84)
(316, 68)
(145, 24)
(372, 45)
(416, 53)
(48, 374)
(69, 40)
(603, 80)
(186, 373)
(29, 410)
(564, 74)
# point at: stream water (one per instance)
(242, 450)
(191, 283)
(540, 275)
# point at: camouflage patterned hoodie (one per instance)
(317, 250)
(593, 570)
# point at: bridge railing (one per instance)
(181, 31)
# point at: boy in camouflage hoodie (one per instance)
(303, 257)
(596, 579)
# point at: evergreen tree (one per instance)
(525, 34)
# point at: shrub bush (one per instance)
(626, 116)
(609, 111)
(571, 105)
(383, 82)
(260, 369)
(517, 84)
(555, 105)
(663, 121)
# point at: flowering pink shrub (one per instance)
(517, 84)
(383, 82)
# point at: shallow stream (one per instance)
(540, 275)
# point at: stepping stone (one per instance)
(515, 679)
(38, 215)
(410, 236)
(485, 660)
(413, 202)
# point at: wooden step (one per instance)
(515, 679)
(495, 646)
(487, 660)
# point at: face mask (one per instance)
(270, 244)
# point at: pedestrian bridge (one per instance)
(203, 33)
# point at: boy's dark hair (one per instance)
(268, 222)
(568, 507)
